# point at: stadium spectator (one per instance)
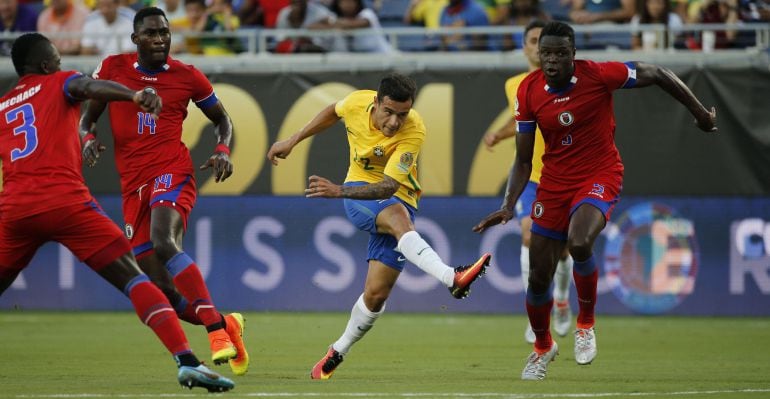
(351, 15)
(754, 10)
(592, 11)
(44, 197)
(15, 17)
(653, 12)
(200, 20)
(64, 19)
(302, 15)
(108, 30)
(562, 313)
(262, 13)
(603, 12)
(498, 11)
(174, 9)
(159, 196)
(464, 13)
(381, 193)
(556, 9)
(571, 102)
(713, 12)
(425, 13)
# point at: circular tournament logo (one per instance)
(566, 118)
(538, 209)
(379, 151)
(651, 258)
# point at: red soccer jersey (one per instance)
(577, 122)
(40, 147)
(144, 147)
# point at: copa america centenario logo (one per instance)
(566, 118)
(651, 258)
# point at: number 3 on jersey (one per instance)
(145, 120)
(27, 128)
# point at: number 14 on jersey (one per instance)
(145, 121)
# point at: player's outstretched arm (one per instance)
(325, 119)
(648, 74)
(491, 138)
(517, 180)
(86, 88)
(321, 187)
(223, 128)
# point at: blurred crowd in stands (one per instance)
(103, 27)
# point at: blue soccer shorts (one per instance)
(363, 214)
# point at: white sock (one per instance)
(417, 251)
(361, 321)
(561, 279)
(525, 267)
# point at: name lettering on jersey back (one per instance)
(150, 78)
(21, 97)
(561, 100)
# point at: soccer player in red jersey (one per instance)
(157, 176)
(571, 102)
(44, 197)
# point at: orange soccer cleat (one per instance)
(466, 275)
(236, 324)
(325, 367)
(222, 348)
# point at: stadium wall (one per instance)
(664, 153)
(659, 255)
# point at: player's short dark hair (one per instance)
(535, 23)
(398, 87)
(28, 49)
(147, 12)
(559, 29)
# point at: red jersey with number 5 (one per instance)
(577, 122)
(40, 147)
(144, 147)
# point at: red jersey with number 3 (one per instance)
(40, 147)
(577, 122)
(144, 147)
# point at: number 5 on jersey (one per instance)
(145, 120)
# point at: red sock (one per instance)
(153, 309)
(189, 315)
(540, 320)
(189, 281)
(586, 293)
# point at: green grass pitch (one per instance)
(112, 355)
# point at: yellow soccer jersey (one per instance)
(373, 155)
(511, 87)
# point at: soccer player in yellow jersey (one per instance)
(381, 194)
(562, 313)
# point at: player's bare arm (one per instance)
(648, 74)
(491, 138)
(517, 180)
(325, 119)
(320, 187)
(223, 127)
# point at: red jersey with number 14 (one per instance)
(577, 122)
(40, 147)
(144, 147)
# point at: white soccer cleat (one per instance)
(529, 335)
(537, 365)
(585, 345)
(562, 319)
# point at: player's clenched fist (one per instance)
(148, 100)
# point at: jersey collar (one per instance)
(572, 82)
(150, 72)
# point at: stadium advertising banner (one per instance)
(664, 153)
(659, 255)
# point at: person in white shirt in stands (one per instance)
(108, 30)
